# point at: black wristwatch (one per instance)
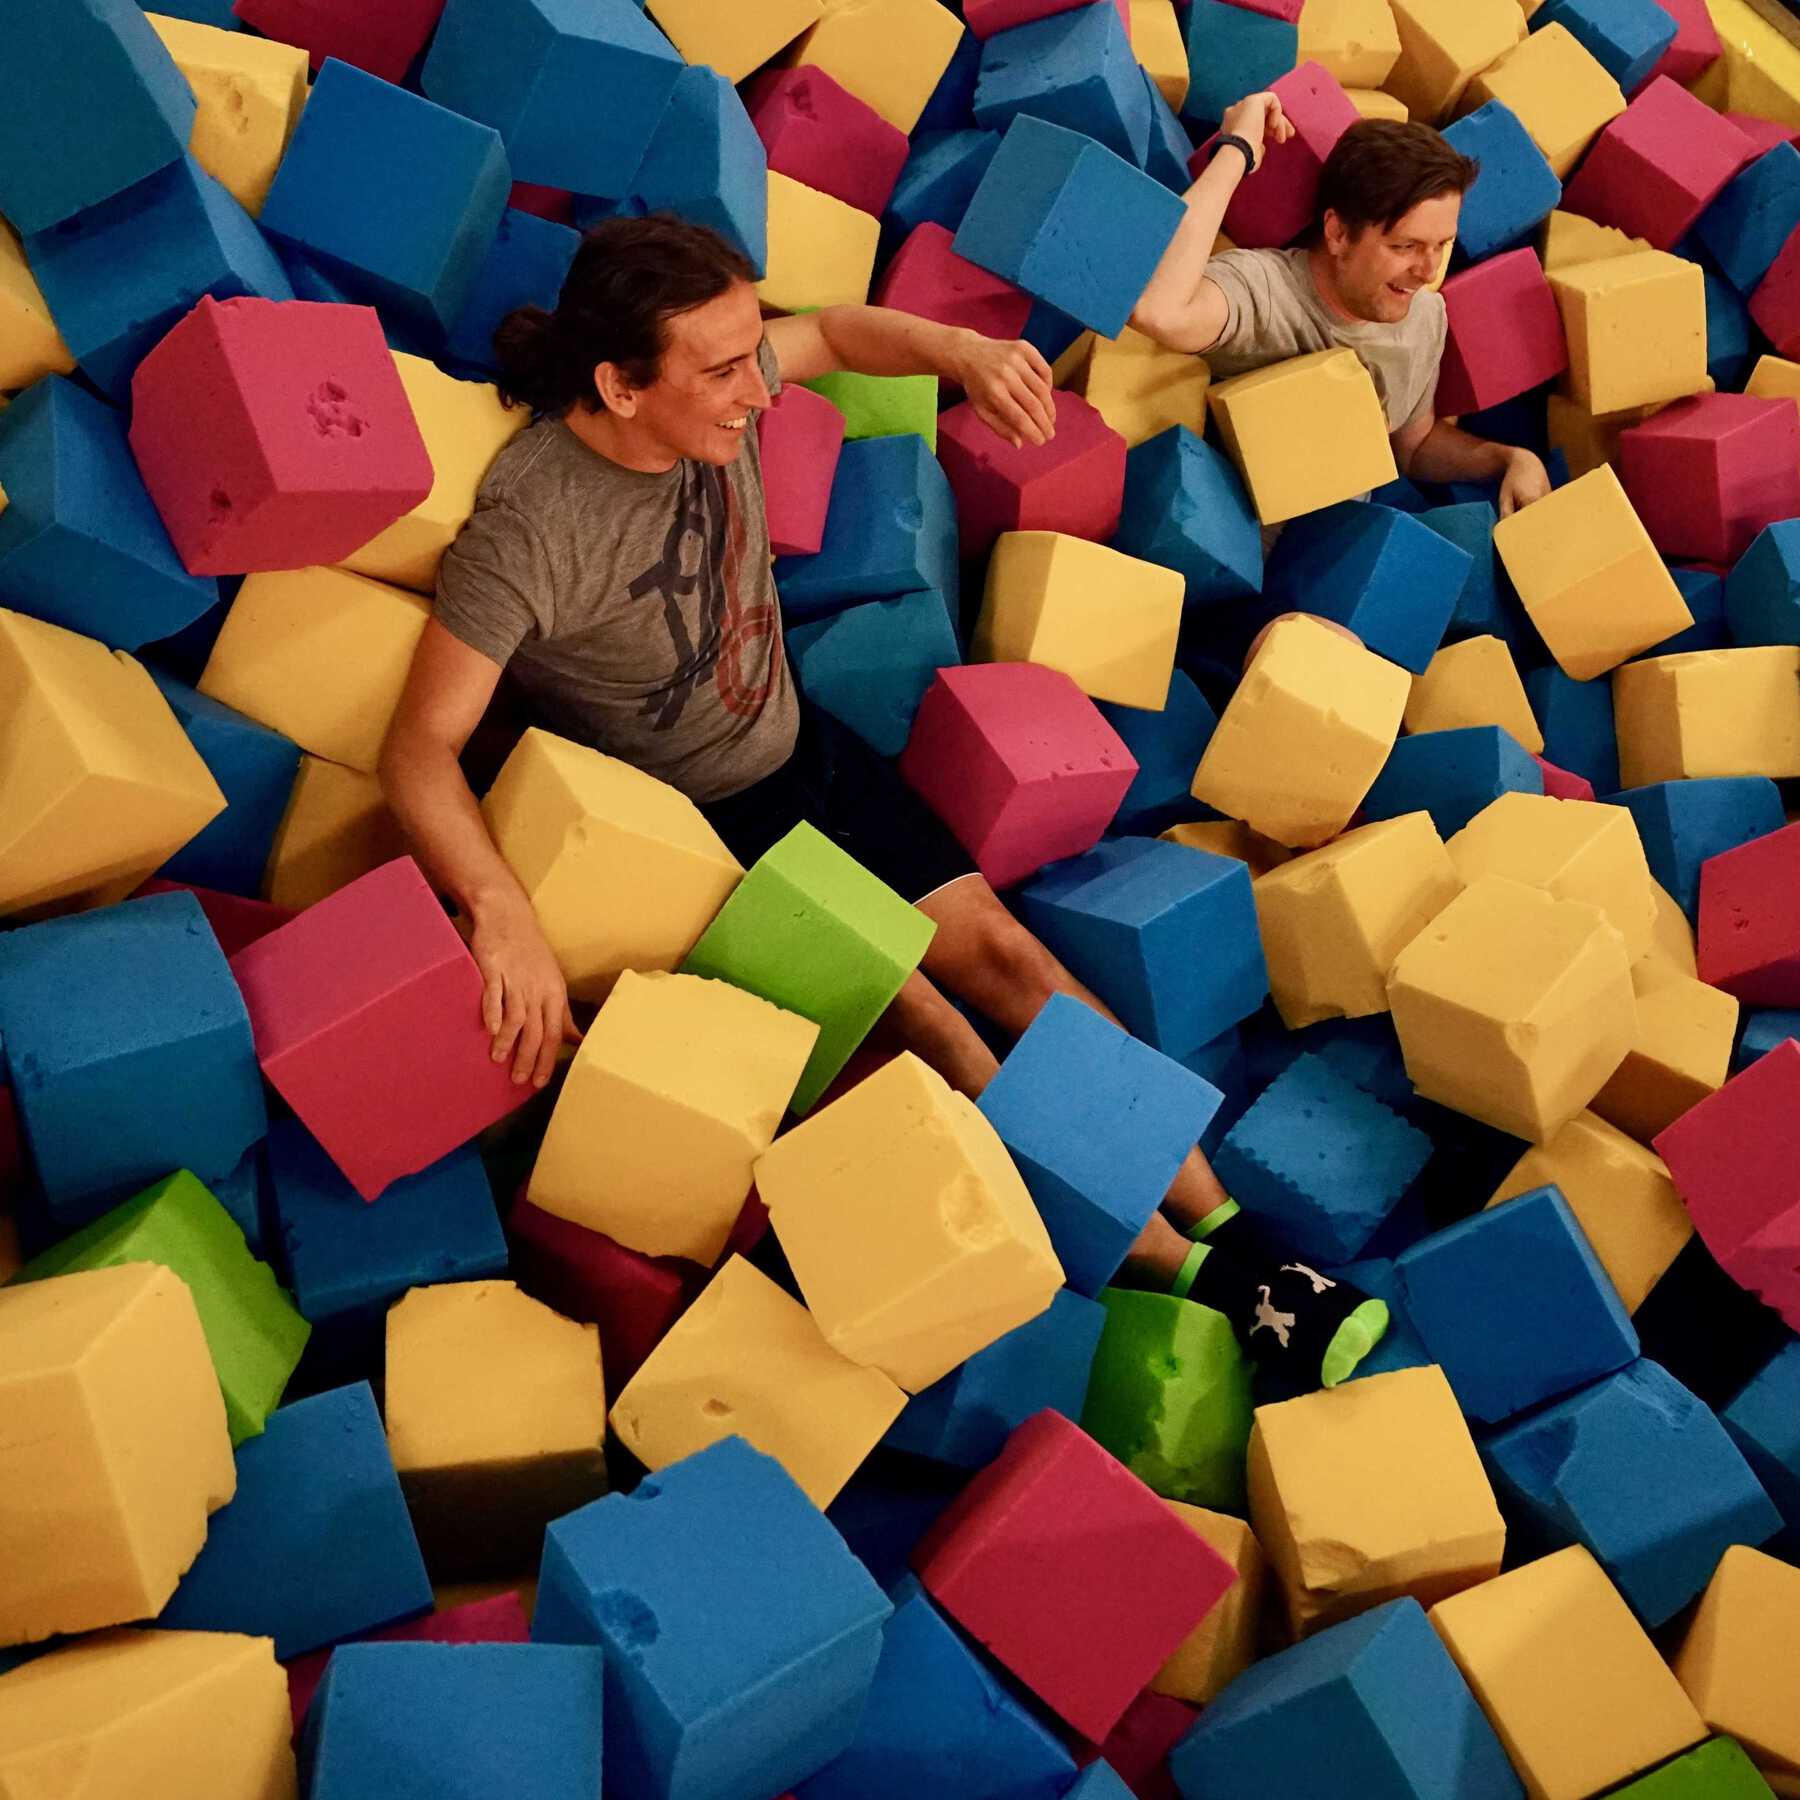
(1236, 143)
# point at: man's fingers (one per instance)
(548, 1040)
(571, 1032)
(492, 996)
(511, 1024)
(531, 1034)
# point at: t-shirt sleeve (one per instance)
(494, 587)
(771, 369)
(1251, 303)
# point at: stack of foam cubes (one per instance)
(747, 1414)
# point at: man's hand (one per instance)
(525, 1001)
(1258, 120)
(1008, 384)
(1526, 479)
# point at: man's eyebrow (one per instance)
(726, 364)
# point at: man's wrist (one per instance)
(1229, 140)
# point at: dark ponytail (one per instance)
(629, 278)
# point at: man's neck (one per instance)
(619, 440)
(1324, 280)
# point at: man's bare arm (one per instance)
(1439, 450)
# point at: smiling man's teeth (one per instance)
(734, 424)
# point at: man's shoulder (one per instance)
(528, 457)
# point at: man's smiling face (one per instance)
(1377, 271)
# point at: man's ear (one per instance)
(616, 393)
(1336, 236)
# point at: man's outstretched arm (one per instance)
(1433, 449)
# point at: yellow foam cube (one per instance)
(1573, 849)
(30, 344)
(1443, 44)
(1354, 40)
(1368, 1491)
(1681, 1054)
(115, 1450)
(1231, 837)
(1473, 682)
(1672, 937)
(677, 1088)
(748, 1358)
(156, 1715)
(737, 39)
(821, 251)
(1514, 1006)
(1619, 1192)
(910, 1232)
(1566, 1675)
(1375, 103)
(99, 785)
(1224, 1644)
(1306, 432)
(1566, 238)
(250, 92)
(1107, 620)
(1589, 576)
(1560, 92)
(1135, 385)
(1738, 1660)
(1333, 920)
(890, 54)
(465, 427)
(1158, 43)
(622, 869)
(496, 1417)
(1304, 734)
(1708, 712)
(337, 826)
(1636, 327)
(1759, 73)
(319, 655)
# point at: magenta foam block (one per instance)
(366, 1011)
(800, 438)
(928, 279)
(1272, 207)
(1564, 784)
(1137, 1748)
(1071, 1572)
(552, 203)
(1505, 334)
(986, 17)
(1707, 474)
(1288, 11)
(1696, 47)
(1749, 935)
(1074, 484)
(235, 919)
(275, 434)
(1732, 1158)
(1019, 763)
(820, 134)
(382, 37)
(1658, 166)
(1775, 306)
(1764, 134)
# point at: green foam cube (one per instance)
(1716, 1770)
(882, 405)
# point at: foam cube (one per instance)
(1518, 189)
(1353, 40)
(1075, 69)
(34, 346)
(1232, 51)
(1304, 735)
(235, 921)
(1363, 1493)
(928, 279)
(118, 1450)
(1275, 204)
(1224, 1643)
(1708, 712)
(1444, 44)
(1568, 1678)
(800, 439)
(1748, 941)
(1568, 238)
(817, 132)
(821, 251)
(1505, 333)
(1137, 387)
(1681, 1054)
(1470, 683)
(748, 1359)
(889, 53)
(1559, 91)
(883, 405)
(1775, 305)
(990, 754)
(1761, 1420)
(384, 43)
(1452, 775)
(736, 42)
(1629, 38)
(1636, 327)
(1184, 507)
(1762, 593)
(869, 665)
(1577, 721)
(1167, 745)
(529, 258)
(1763, 1030)
(337, 827)
(1060, 1104)
(1160, 46)
(1754, 215)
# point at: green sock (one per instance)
(1183, 1283)
(1222, 1214)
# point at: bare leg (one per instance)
(921, 1020)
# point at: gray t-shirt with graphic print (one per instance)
(636, 612)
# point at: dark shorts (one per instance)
(843, 788)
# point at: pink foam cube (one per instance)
(1658, 166)
(1063, 1565)
(1505, 333)
(552, 203)
(1707, 474)
(1775, 306)
(1563, 784)
(1696, 47)
(235, 919)
(366, 1011)
(1019, 763)
(382, 36)
(1733, 1158)
(1288, 10)
(986, 17)
(800, 438)
(1273, 206)
(275, 434)
(1137, 1748)
(928, 279)
(1764, 134)
(819, 133)
(1749, 935)
(1074, 484)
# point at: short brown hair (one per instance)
(1380, 169)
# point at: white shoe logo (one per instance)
(1319, 1282)
(1268, 1319)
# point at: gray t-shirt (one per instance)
(1276, 313)
(635, 612)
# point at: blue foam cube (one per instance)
(522, 1720)
(1170, 148)
(939, 1721)
(1470, 526)
(1627, 38)
(1125, 919)
(1233, 51)
(965, 1418)
(245, 1194)
(942, 172)
(1730, 333)
(1763, 1418)
(1068, 221)
(90, 104)
(415, 239)
(1518, 189)
(1704, 592)
(217, 13)
(255, 769)
(1050, 331)
(1099, 1781)
(81, 544)
(1098, 1124)
(869, 665)
(1366, 1052)
(1074, 69)
(316, 1544)
(1762, 593)
(1754, 215)
(887, 1506)
(1452, 775)
(1515, 1305)
(1373, 1707)
(1639, 1471)
(1762, 1031)
(130, 1052)
(726, 1675)
(1576, 718)
(952, 103)
(1168, 746)
(1682, 823)
(1320, 1161)
(536, 71)
(1389, 578)
(1221, 1063)
(1401, 1347)
(1186, 508)
(525, 265)
(890, 530)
